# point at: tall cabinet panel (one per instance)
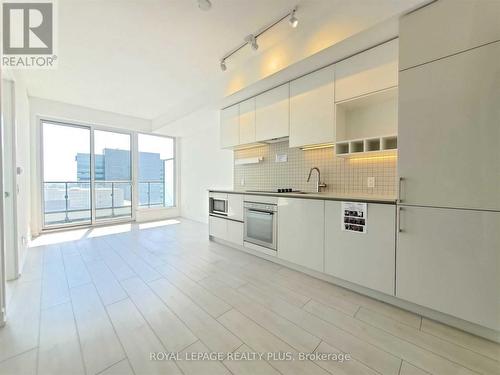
(272, 113)
(229, 127)
(447, 27)
(449, 261)
(312, 108)
(449, 132)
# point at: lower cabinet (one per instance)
(227, 230)
(366, 259)
(449, 260)
(301, 224)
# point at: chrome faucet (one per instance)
(319, 184)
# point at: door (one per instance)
(366, 259)
(260, 228)
(9, 182)
(2, 241)
(449, 133)
(229, 127)
(312, 107)
(272, 113)
(66, 175)
(112, 185)
(301, 229)
(449, 260)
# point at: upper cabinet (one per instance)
(229, 127)
(247, 121)
(422, 39)
(272, 113)
(373, 70)
(352, 103)
(366, 102)
(312, 108)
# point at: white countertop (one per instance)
(355, 197)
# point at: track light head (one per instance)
(293, 21)
(223, 66)
(204, 4)
(252, 41)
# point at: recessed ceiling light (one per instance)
(293, 21)
(204, 4)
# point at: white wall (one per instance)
(48, 109)
(203, 165)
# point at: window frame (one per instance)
(134, 136)
(174, 159)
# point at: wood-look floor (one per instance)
(104, 301)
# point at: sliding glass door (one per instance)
(66, 175)
(113, 175)
(87, 175)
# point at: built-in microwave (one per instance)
(218, 206)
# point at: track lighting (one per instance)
(293, 21)
(223, 66)
(204, 4)
(252, 41)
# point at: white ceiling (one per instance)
(142, 58)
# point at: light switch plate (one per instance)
(371, 182)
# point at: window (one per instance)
(66, 175)
(156, 182)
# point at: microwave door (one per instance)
(219, 206)
(259, 228)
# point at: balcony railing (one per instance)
(151, 193)
(67, 202)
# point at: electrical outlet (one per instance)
(371, 182)
(242, 181)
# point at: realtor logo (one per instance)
(28, 35)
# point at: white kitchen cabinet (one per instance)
(272, 113)
(235, 206)
(367, 259)
(247, 121)
(447, 27)
(449, 133)
(229, 127)
(373, 70)
(227, 230)
(312, 118)
(217, 227)
(234, 232)
(301, 231)
(449, 260)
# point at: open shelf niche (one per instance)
(367, 124)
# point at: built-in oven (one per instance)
(218, 206)
(260, 226)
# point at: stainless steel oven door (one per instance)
(260, 227)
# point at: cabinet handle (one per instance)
(400, 229)
(400, 189)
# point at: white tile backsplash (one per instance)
(341, 175)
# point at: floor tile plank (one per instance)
(138, 340)
(100, 345)
(171, 331)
